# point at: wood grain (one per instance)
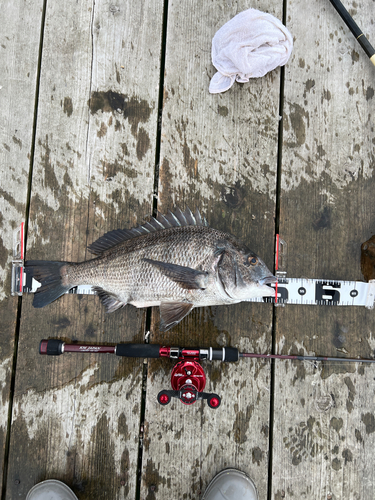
(19, 45)
(76, 418)
(218, 154)
(323, 433)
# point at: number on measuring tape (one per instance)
(327, 293)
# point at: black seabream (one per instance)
(174, 261)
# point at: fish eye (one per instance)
(252, 260)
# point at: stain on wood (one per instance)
(134, 110)
(368, 259)
(68, 106)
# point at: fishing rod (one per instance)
(354, 28)
(188, 379)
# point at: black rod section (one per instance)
(354, 28)
(306, 358)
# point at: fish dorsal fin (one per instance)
(158, 223)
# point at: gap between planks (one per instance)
(154, 213)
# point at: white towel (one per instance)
(248, 46)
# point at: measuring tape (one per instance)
(324, 292)
(317, 291)
(287, 290)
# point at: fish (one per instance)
(175, 261)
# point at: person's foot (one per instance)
(231, 484)
(52, 489)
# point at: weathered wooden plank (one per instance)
(323, 420)
(77, 418)
(323, 434)
(218, 154)
(19, 42)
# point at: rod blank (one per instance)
(306, 358)
(354, 28)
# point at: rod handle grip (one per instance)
(51, 347)
(229, 353)
(138, 350)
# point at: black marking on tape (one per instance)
(282, 294)
(354, 293)
(269, 300)
(282, 281)
(333, 284)
(322, 294)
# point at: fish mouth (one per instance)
(268, 280)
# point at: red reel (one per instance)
(188, 381)
(188, 373)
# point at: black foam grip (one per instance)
(231, 354)
(138, 350)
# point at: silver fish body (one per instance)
(176, 262)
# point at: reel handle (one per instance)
(189, 395)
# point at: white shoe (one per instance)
(52, 489)
(231, 484)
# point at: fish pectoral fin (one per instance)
(186, 277)
(111, 302)
(171, 313)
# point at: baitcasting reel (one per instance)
(188, 381)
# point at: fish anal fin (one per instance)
(110, 302)
(186, 277)
(171, 313)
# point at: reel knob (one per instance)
(164, 398)
(214, 401)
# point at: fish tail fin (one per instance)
(53, 279)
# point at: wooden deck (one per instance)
(105, 115)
